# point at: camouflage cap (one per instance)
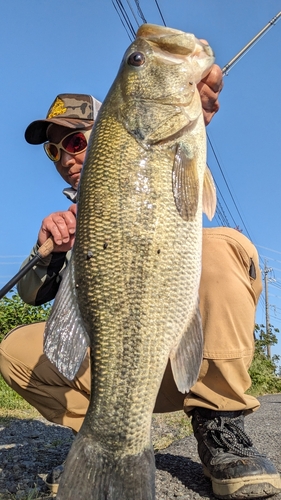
(76, 111)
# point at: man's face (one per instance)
(69, 165)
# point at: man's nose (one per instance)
(66, 159)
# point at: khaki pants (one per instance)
(229, 291)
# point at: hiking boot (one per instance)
(53, 478)
(235, 467)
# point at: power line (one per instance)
(270, 249)
(276, 285)
(225, 69)
(220, 213)
(140, 11)
(7, 259)
(274, 268)
(219, 207)
(9, 263)
(160, 12)
(226, 183)
(275, 307)
(124, 18)
(131, 9)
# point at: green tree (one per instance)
(263, 370)
(266, 338)
(14, 312)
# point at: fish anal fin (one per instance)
(209, 194)
(185, 183)
(65, 338)
(186, 358)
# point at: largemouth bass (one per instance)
(131, 288)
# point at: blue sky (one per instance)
(56, 46)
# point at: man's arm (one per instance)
(41, 283)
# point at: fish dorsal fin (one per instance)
(65, 337)
(209, 194)
(185, 183)
(186, 357)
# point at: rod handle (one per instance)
(46, 248)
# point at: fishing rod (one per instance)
(247, 47)
(41, 253)
(123, 13)
(225, 71)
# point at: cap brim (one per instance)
(37, 130)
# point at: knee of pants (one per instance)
(229, 291)
(23, 346)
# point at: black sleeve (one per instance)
(50, 287)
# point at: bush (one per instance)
(14, 312)
(263, 370)
(262, 373)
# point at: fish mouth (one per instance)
(173, 41)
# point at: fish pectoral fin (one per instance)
(209, 194)
(185, 183)
(65, 337)
(186, 358)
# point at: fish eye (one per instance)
(136, 59)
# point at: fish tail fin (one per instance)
(91, 474)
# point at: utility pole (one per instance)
(267, 321)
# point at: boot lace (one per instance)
(229, 436)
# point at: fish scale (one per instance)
(134, 273)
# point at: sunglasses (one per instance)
(73, 144)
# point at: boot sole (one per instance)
(52, 487)
(260, 486)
